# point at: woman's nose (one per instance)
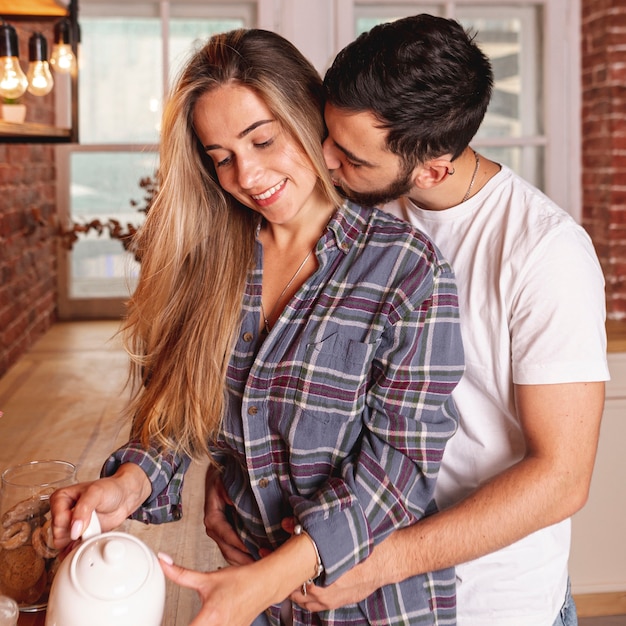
(249, 172)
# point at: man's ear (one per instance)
(433, 172)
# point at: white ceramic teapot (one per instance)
(109, 579)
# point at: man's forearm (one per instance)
(561, 425)
(511, 506)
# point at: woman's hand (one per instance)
(113, 498)
(216, 524)
(226, 594)
(237, 595)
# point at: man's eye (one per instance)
(353, 164)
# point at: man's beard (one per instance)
(399, 187)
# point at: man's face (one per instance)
(361, 166)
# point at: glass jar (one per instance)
(28, 558)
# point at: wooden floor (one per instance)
(62, 400)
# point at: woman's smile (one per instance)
(269, 196)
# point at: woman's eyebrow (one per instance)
(242, 134)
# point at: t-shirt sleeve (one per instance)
(557, 328)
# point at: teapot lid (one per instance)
(111, 566)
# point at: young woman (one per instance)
(307, 345)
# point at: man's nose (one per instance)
(330, 155)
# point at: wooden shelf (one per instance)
(33, 7)
(31, 132)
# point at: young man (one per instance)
(404, 102)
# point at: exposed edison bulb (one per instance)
(13, 81)
(40, 81)
(62, 59)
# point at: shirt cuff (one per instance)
(165, 472)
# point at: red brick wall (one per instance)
(604, 141)
(27, 211)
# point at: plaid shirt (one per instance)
(341, 414)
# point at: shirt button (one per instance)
(252, 410)
(248, 337)
(264, 482)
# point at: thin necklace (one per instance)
(282, 293)
(469, 189)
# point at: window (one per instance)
(128, 54)
(131, 49)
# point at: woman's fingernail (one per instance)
(166, 558)
(76, 530)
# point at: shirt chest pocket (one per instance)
(333, 378)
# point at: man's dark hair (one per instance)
(425, 80)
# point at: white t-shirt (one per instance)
(532, 307)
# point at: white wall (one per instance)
(598, 557)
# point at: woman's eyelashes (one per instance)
(260, 145)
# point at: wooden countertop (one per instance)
(62, 401)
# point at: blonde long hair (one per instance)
(197, 244)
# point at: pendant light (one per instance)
(40, 81)
(13, 81)
(63, 59)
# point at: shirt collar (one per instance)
(346, 225)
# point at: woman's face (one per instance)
(256, 161)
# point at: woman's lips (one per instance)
(266, 195)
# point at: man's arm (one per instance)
(561, 425)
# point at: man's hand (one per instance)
(216, 524)
(354, 586)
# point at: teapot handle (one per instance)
(93, 528)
